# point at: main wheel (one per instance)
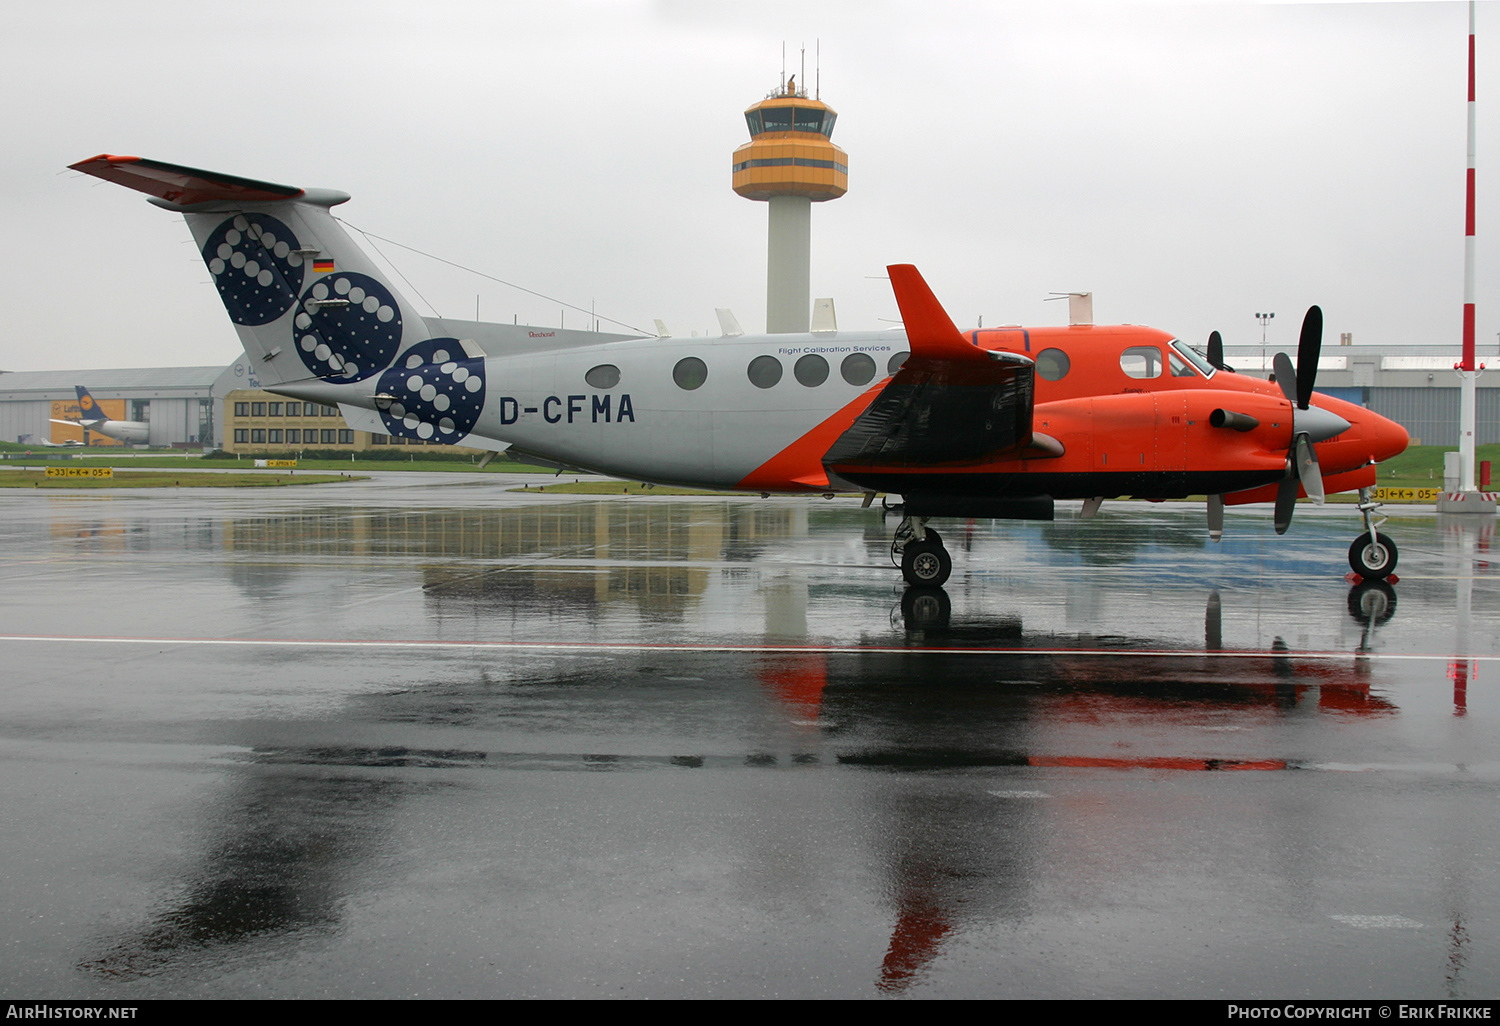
(1374, 561)
(926, 564)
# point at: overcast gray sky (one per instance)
(1190, 163)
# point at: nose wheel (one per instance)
(925, 563)
(1372, 555)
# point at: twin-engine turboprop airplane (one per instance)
(91, 418)
(995, 423)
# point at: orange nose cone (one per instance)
(1386, 437)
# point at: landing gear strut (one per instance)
(924, 561)
(1372, 555)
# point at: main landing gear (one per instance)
(1372, 555)
(919, 550)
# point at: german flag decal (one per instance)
(322, 267)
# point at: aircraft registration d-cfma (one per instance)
(91, 418)
(992, 423)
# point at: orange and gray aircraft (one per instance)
(92, 418)
(985, 423)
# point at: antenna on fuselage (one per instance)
(1080, 306)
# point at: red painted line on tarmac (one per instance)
(750, 649)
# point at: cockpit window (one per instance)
(1180, 367)
(1194, 357)
(1141, 362)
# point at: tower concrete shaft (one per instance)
(788, 264)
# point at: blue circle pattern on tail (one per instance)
(438, 392)
(256, 266)
(348, 327)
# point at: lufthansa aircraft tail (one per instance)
(89, 413)
(317, 317)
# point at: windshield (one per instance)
(1194, 357)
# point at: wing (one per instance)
(950, 404)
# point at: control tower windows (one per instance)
(777, 119)
(790, 119)
(813, 120)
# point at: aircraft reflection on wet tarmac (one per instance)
(959, 742)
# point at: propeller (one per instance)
(1309, 424)
(1216, 352)
(1216, 502)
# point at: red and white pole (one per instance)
(1467, 369)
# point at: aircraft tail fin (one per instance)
(316, 314)
(305, 299)
(88, 410)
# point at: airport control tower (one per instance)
(791, 163)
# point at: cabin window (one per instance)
(811, 370)
(1141, 362)
(1053, 364)
(606, 375)
(895, 362)
(690, 373)
(857, 369)
(764, 371)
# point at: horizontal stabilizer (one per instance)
(182, 185)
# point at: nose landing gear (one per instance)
(1372, 555)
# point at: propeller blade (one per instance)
(1305, 459)
(1308, 348)
(1286, 501)
(1286, 376)
(1216, 349)
(1215, 517)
